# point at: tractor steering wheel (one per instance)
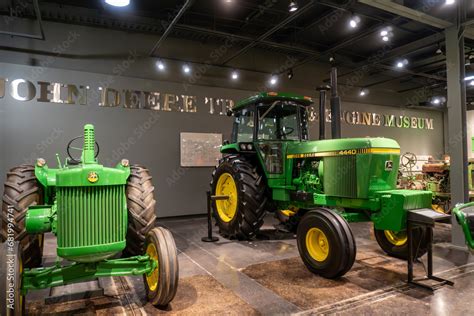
(73, 159)
(285, 131)
(408, 160)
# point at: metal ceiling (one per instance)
(317, 31)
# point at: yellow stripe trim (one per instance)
(347, 152)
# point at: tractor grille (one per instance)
(340, 176)
(89, 216)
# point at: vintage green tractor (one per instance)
(96, 212)
(319, 186)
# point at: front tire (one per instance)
(241, 216)
(141, 209)
(12, 303)
(326, 243)
(21, 191)
(395, 244)
(162, 283)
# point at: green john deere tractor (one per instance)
(316, 187)
(96, 212)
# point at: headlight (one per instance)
(242, 146)
(249, 147)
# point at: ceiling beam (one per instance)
(412, 14)
(397, 52)
(270, 32)
(338, 46)
(168, 30)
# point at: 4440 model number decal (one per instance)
(347, 152)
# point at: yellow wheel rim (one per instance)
(152, 279)
(317, 244)
(396, 238)
(226, 209)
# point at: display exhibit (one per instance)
(234, 157)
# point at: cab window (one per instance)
(278, 121)
(243, 126)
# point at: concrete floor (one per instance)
(266, 276)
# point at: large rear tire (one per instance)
(326, 243)
(21, 191)
(162, 283)
(395, 244)
(141, 209)
(241, 216)
(12, 303)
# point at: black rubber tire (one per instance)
(22, 190)
(141, 209)
(342, 246)
(420, 244)
(13, 303)
(252, 200)
(168, 267)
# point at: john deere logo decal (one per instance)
(388, 165)
(92, 177)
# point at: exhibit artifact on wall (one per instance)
(200, 149)
(95, 212)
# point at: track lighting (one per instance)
(402, 63)
(290, 74)
(118, 3)
(160, 65)
(273, 80)
(186, 69)
(354, 21)
(235, 75)
(293, 6)
(363, 92)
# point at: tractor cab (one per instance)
(266, 123)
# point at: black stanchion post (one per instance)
(209, 237)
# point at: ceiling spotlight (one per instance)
(363, 92)
(186, 69)
(118, 3)
(160, 65)
(436, 101)
(273, 80)
(235, 75)
(354, 21)
(290, 74)
(386, 34)
(449, 2)
(402, 63)
(293, 6)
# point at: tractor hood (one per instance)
(345, 146)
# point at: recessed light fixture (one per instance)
(354, 21)
(293, 6)
(235, 75)
(186, 69)
(160, 65)
(118, 3)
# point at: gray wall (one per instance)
(34, 129)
